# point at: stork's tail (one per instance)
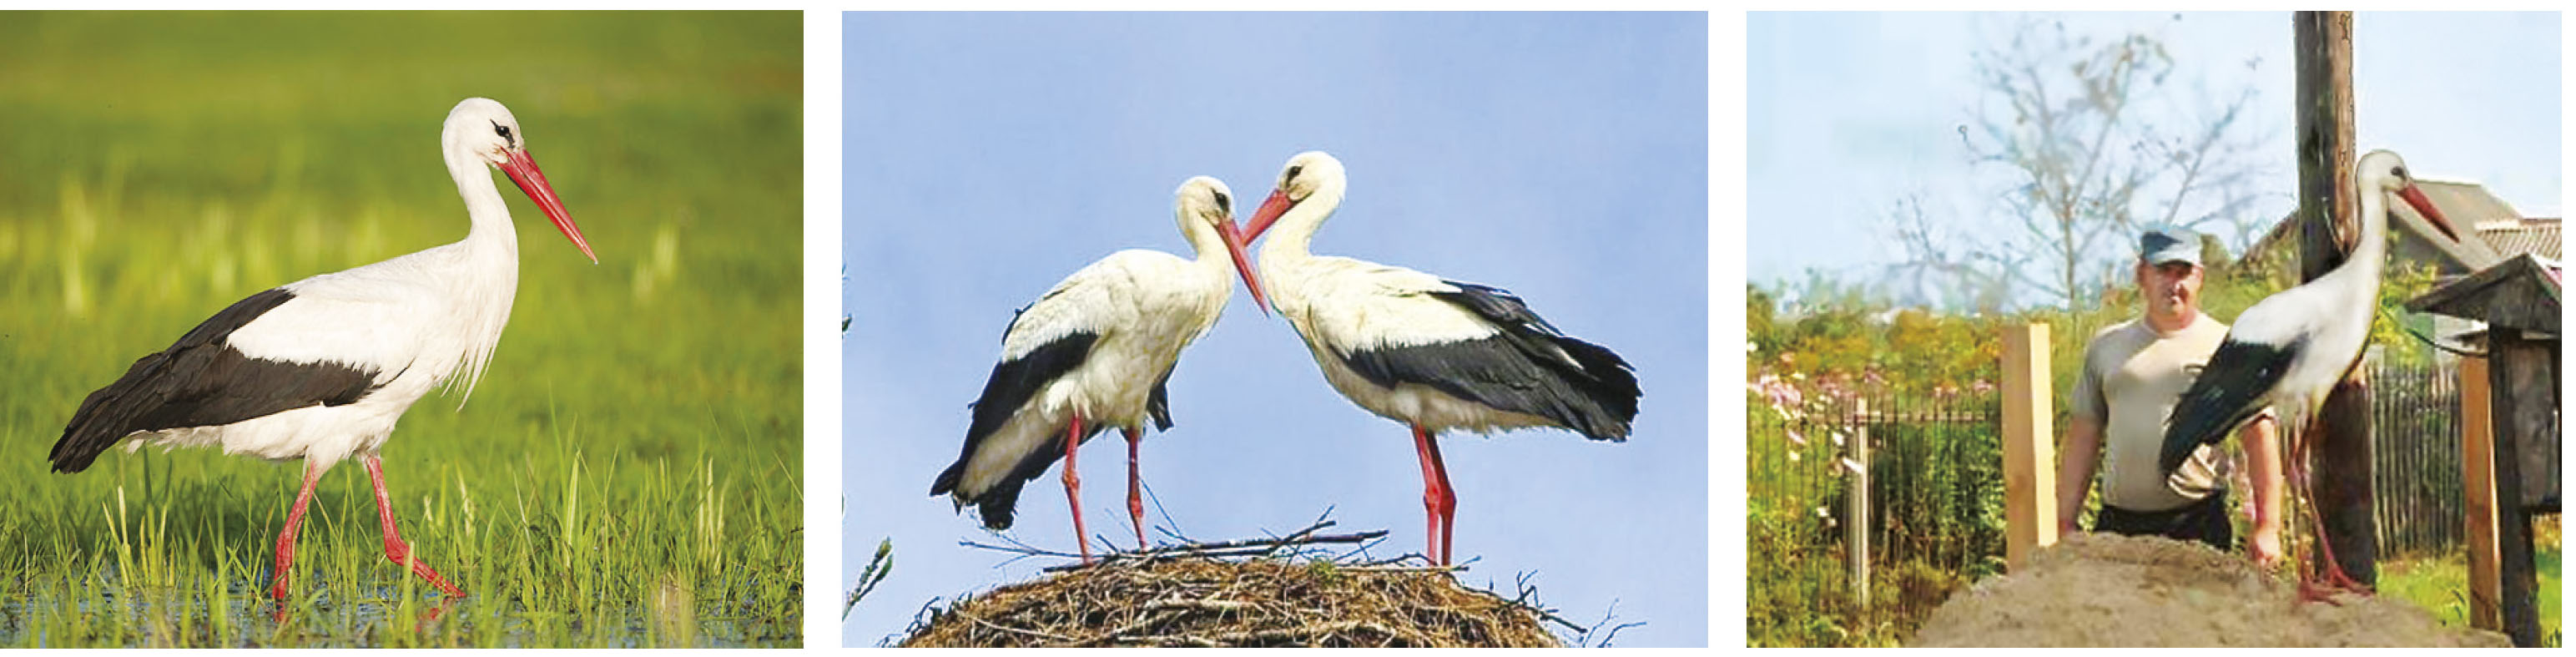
(1609, 386)
(105, 417)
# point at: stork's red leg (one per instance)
(1073, 485)
(1135, 487)
(286, 536)
(1448, 504)
(395, 549)
(1437, 502)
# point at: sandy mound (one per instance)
(1263, 602)
(2106, 590)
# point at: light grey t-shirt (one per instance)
(2132, 378)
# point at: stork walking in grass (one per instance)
(1095, 353)
(1435, 354)
(2288, 351)
(321, 369)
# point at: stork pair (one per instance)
(1437, 355)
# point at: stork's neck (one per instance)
(2360, 270)
(1288, 239)
(492, 231)
(1210, 246)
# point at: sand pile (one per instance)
(2106, 590)
(1261, 602)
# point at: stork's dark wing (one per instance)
(1526, 367)
(2229, 391)
(201, 381)
(1011, 386)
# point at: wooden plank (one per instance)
(2477, 479)
(1857, 511)
(2030, 465)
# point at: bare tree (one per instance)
(2091, 160)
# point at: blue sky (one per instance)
(1563, 156)
(1848, 112)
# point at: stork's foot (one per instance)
(2326, 586)
(2337, 579)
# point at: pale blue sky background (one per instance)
(1562, 156)
(1848, 112)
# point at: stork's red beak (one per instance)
(522, 169)
(1271, 208)
(2424, 206)
(1234, 242)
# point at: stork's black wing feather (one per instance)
(200, 381)
(1011, 386)
(1528, 367)
(2229, 391)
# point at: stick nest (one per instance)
(1257, 593)
(2108, 590)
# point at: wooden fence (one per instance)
(2418, 496)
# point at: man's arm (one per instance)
(2263, 447)
(2082, 451)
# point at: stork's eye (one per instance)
(1292, 173)
(1224, 204)
(2400, 171)
(504, 132)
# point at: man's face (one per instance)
(2172, 289)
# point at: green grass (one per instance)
(628, 473)
(2440, 584)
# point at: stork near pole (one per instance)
(2328, 216)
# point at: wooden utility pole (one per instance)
(2339, 443)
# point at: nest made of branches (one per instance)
(1260, 593)
(1260, 603)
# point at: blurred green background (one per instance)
(628, 472)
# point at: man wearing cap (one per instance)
(2133, 374)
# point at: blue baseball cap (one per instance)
(2163, 244)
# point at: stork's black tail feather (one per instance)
(1592, 391)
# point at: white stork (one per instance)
(320, 369)
(1094, 353)
(1434, 354)
(2289, 350)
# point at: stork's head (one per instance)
(481, 128)
(1206, 207)
(1308, 173)
(2382, 172)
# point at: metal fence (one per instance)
(1931, 521)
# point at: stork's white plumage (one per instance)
(1094, 353)
(321, 369)
(2289, 351)
(1434, 354)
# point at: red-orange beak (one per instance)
(522, 169)
(1234, 243)
(1271, 208)
(2424, 206)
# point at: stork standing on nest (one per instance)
(1095, 353)
(1431, 353)
(320, 369)
(2290, 350)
